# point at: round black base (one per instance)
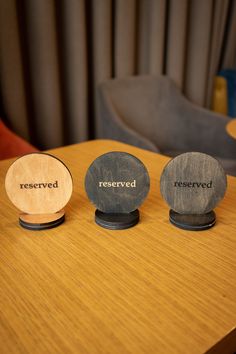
(193, 222)
(42, 226)
(117, 221)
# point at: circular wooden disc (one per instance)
(117, 182)
(193, 222)
(42, 221)
(118, 221)
(38, 183)
(231, 128)
(193, 183)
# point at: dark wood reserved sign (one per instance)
(117, 184)
(39, 185)
(193, 184)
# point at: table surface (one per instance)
(153, 288)
(231, 128)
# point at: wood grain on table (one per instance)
(153, 288)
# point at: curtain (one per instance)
(54, 53)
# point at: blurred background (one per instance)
(55, 53)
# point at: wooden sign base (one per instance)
(117, 221)
(193, 222)
(41, 221)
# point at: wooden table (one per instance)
(231, 128)
(153, 288)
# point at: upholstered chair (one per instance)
(151, 112)
(11, 145)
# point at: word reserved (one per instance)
(38, 185)
(118, 184)
(193, 184)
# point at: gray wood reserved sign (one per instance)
(193, 184)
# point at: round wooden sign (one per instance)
(39, 183)
(193, 183)
(117, 183)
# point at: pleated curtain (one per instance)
(54, 53)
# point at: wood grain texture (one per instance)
(38, 183)
(193, 183)
(80, 288)
(129, 176)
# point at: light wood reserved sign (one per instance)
(39, 185)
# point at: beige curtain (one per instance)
(54, 53)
